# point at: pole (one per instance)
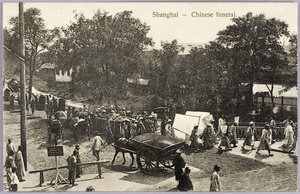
(22, 84)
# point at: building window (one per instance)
(68, 72)
(57, 71)
(62, 72)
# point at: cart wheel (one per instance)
(168, 163)
(147, 161)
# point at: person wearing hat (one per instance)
(215, 184)
(72, 168)
(249, 141)
(78, 160)
(265, 140)
(179, 164)
(185, 183)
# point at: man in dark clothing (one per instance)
(72, 168)
(78, 160)
(185, 183)
(179, 164)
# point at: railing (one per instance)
(242, 128)
(61, 167)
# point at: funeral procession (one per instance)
(105, 97)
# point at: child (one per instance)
(14, 180)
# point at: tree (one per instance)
(256, 50)
(106, 49)
(166, 59)
(37, 38)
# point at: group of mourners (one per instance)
(14, 166)
(226, 135)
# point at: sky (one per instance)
(185, 28)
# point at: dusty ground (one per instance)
(240, 171)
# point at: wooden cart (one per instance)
(154, 149)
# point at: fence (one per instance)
(278, 101)
(61, 167)
(242, 128)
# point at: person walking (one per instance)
(179, 164)
(215, 184)
(32, 106)
(249, 141)
(232, 134)
(265, 140)
(72, 168)
(20, 164)
(97, 143)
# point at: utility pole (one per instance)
(22, 82)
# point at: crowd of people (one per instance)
(14, 166)
(225, 135)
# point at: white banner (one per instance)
(201, 124)
(184, 125)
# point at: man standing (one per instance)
(78, 160)
(215, 180)
(72, 168)
(249, 141)
(179, 164)
(20, 164)
(10, 147)
(32, 106)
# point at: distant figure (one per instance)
(20, 164)
(215, 184)
(78, 160)
(208, 137)
(169, 129)
(97, 143)
(194, 138)
(179, 164)
(265, 141)
(9, 164)
(185, 183)
(10, 147)
(14, 180)
(72, 168)
(288, 133)
(32, 106)
(249, 141)
(232, 134)
(12, 102)
(273, 129)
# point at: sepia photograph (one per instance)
(150, 96)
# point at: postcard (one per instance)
(150, 96)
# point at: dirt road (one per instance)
(240, 171)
